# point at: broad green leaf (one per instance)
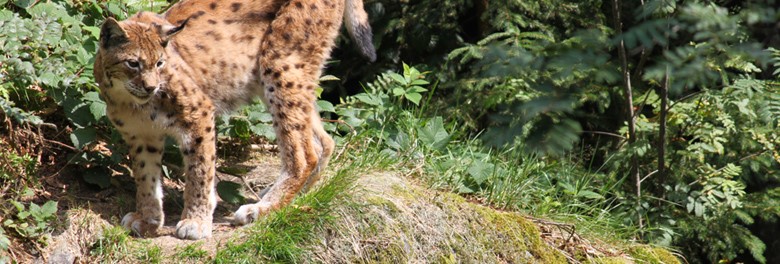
(590, 195)
(414, 98)
(325, 106)
(264, 130)
(480, 171)
(326, 78)
(420, 82)
(257, 116)
(369, 99)
(99, 176)
(25, 214)
(115, 9)
(49, 208)
(398, 91)
(230, 192)
(19, 206)
(464, 189)
(4, 242)
(24, 4)
(78, 112)
(433, 134)
(399, 142)
(48, 78)
(96, 105)
(83, 136)
(416, 89)
(94, 31)
(34, 208)
(397, 77)
(698, 209)
(241, 127)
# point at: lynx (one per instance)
(171, 74)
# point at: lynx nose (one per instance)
(150, 89)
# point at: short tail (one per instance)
(356, 21)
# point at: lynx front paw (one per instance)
(249, 213)
(193, 229)
(140, 226)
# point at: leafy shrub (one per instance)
(33, 221)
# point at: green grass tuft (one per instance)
(113, 245)
(282, 235)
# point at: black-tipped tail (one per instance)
(363, 38)
(356, 21)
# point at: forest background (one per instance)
(654, 119)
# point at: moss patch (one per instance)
(391, 220)
(648, 254)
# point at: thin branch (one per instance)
(684, 98)
(634, 171)
(642, 105)
(60, 144)
(246, 184)
(604, 133)
(662, 127)
(351, 128)
(648, 175)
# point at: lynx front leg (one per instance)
(199, 151)
(147, 156)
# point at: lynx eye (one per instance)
(160, 63)
(132, 64)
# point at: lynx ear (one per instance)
(168, 31)
(112, 34)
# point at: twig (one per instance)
(604, 133)
(569, 228)
(60, 144)
(246, 184)
(346, 145)
(63, 167)
(641, 106)
(351, 128)
(662, 127)
(257, 196)
(648, 175)
(684, 98)
(627, 90)
(264, 147)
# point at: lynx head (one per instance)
(132, 55)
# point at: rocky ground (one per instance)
(389, 218)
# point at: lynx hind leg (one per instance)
(292, 54)
(324, 146)
(146, 159)
(297, 150)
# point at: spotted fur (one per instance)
(172, 74)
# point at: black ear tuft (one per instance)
(112, 34)
(168, 31)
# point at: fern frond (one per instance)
(495, 36)
(647, 34)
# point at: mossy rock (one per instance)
(392, 220)
(652, 255)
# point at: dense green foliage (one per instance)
(655, 119)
